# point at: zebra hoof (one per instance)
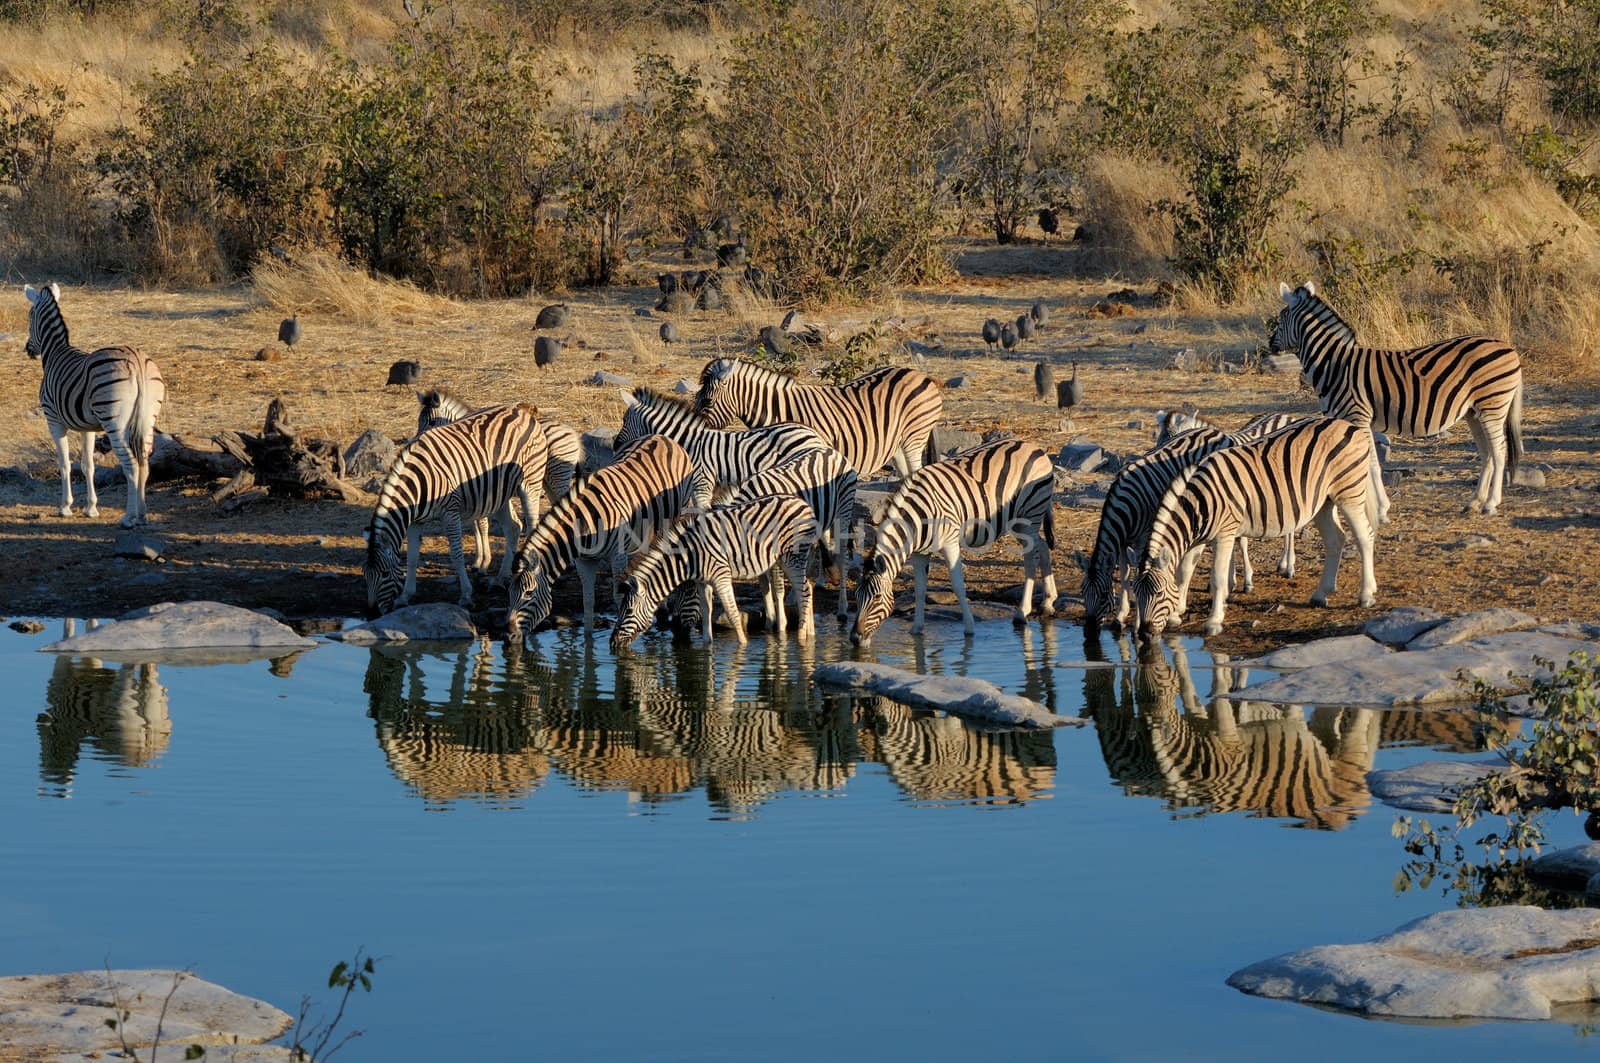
(1319, 600)
(64, 511)
(1368, 601)
(1213, 627)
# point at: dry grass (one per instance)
(317, 282)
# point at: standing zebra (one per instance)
(971, 499)
(1268, 488)
(822, 480)
(612, 513)
(1418, 392)
(115, 390)
(722, 458)
(887, 414)
(767, 538)
(439, 407)
(460, 471)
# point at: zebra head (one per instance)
(530, 598)
(385, 571)
(875, 596)
(1289, 332)
(1098, 575)
(714, 402)
(42, 314)
(634, 615)
(1155, 590)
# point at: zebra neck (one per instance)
(664, 577)
(554, 542)
(392, 523)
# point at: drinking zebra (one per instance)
(1264, 489)
(766, 538)
(1418, 392)
(970, 499)
(825, 482)
(885, 415)
(613, 513)
(459, 472)
(115, 390)
(722, 459)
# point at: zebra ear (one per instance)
(1285, 292)
(1311, 289)
(31, 292)
(628, 398)
(55, 291)
(1163, 559)
(1131, 556)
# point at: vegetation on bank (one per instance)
(1435, 170)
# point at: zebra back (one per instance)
(868, 420)
(822, 479)
(564, 445)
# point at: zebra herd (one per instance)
(690, 505)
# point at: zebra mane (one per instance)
(1311, 305)
(650, 398)
(1163, 515)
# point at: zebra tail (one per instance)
(1050, 526)
(1514, 449)
(138, 429)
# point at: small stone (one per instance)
(432, 622)
(1569, 869)
(268, 354)
(947, 441)
(960, 382)
(603, 379)
(26, 627)
(1081, 457)
(1321, 651)
(1399, 626)
(1528, 476)
(1135, 424)
(1286, 364)
(371, 454)
(682, 387)
(137, 545)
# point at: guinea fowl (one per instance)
(669, 332)
(1044, 380)
(991, 332)
(404, 372)
(546, 349)
(1008, 336)
(1040, 314)
(553, 316)
(1048, 221)
(289, 330)
(1025, 327)
(1069, 393)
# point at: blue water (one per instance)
(699, 856)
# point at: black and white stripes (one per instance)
(886, 415)
(460, 471)
(115, 390)
(1417, 392)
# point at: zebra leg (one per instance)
(458, 556)
(919, 581)
(1333, 546)
(1186, 566)
(1286, 562)
(511, 528)
(1025, 606)
(730, 605)
(482, 552)
(777, 615)
(1356, 515)
(413, 548)
(133, 514)
(1242, 569)
(1494, 433)
(1221, 572)
(706, 609)
(797, 564)
(1375, 471)
(91, 504)
(586, 573)
(1047, 571)
(64, 464)
(952, 557)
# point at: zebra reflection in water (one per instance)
(1220, 754)
(120, 710)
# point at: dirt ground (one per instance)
(304, 558)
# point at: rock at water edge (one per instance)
(185, 625)
(1471, 626)
(1399, 626)
(432, 622)
(960, 695)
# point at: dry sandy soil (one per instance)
(304, 558)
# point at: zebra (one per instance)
(439, 407)
(722, 459)
(971, 499)
(458, 472)
(1418, 392)
(885, 415)
(115, 390)
(823, 481)
(767, 537)
(616, 511)
(1267, 488)
(1174, 423)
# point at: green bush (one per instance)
(48, 224)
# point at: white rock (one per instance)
(1322, 651)
(1482, 963)
(1430, 786)
(185, 625)
(960, 695)
(1567, 868)
(431, 622)
(1420, 677)
(67, 1012)
(1472, 626)
(1399, 626)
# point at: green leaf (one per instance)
(336, 976)
(194, 1052)
(111, 1024)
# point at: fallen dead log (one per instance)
(174, 457)
(285, 464)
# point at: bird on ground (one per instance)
(404, 372)
(1048, 221)
(1069, 393)
(1043, 380)
(991, 332)
(1040, 314)
(1008, 336)
(1025, 327)
(710, 298)
(777, 342)
(546, 349)
(669, 332)
(553, 316)
(289, 330)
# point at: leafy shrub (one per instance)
(863, 352)
(47, 220)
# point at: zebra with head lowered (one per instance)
(615, 512)
(825, 482)
(115, 390)
(1264, 489)
(970, 499)
(459, 472)
(885, 415)
(1418, 392)
(439, 407)
(766, 538)
(722, 459)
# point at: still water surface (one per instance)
(694, 854)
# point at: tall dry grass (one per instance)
(317, 282)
